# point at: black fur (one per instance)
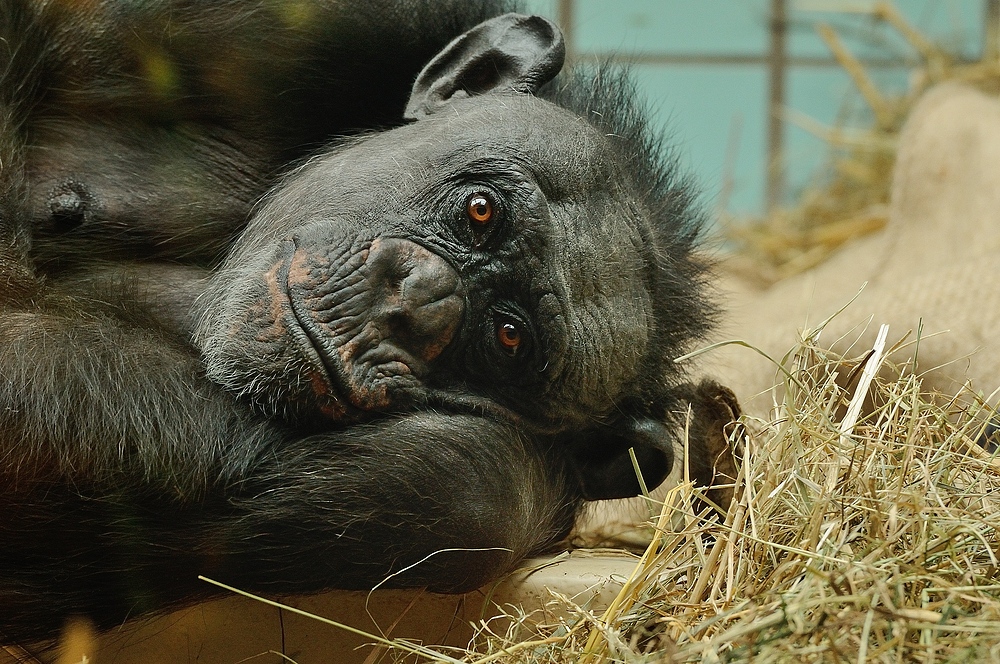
(608, 98)
(163, 417)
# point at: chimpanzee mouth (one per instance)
(367, 321)
(347, 383)
(322, 367)
(330, 385)
(334, 389)
(320, 375)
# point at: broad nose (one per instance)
(422, 301)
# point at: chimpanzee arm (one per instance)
(89, 386)
(459, 498)
(90, 391)
(445, 501)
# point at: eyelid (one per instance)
(483, 234)
(530, 349)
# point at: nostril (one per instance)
(426, 331)
(427, 284)
(422, 301)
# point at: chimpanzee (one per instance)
(423, 350)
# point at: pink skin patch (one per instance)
(387, 312)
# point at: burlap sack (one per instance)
(933, 263)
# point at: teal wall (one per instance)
(707, 107)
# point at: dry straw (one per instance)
(850, 540)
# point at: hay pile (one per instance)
(876, 540)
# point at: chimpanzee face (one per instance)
(491, 252)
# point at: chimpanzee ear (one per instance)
(513, 52)
(604, 467)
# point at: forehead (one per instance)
(560, 149)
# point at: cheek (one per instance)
(247, 337)
(249, 323)
(607, 311)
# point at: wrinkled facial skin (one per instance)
(369, 283)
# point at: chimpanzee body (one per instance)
(422, 351)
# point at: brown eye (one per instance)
(479, 208)
(509, 337)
